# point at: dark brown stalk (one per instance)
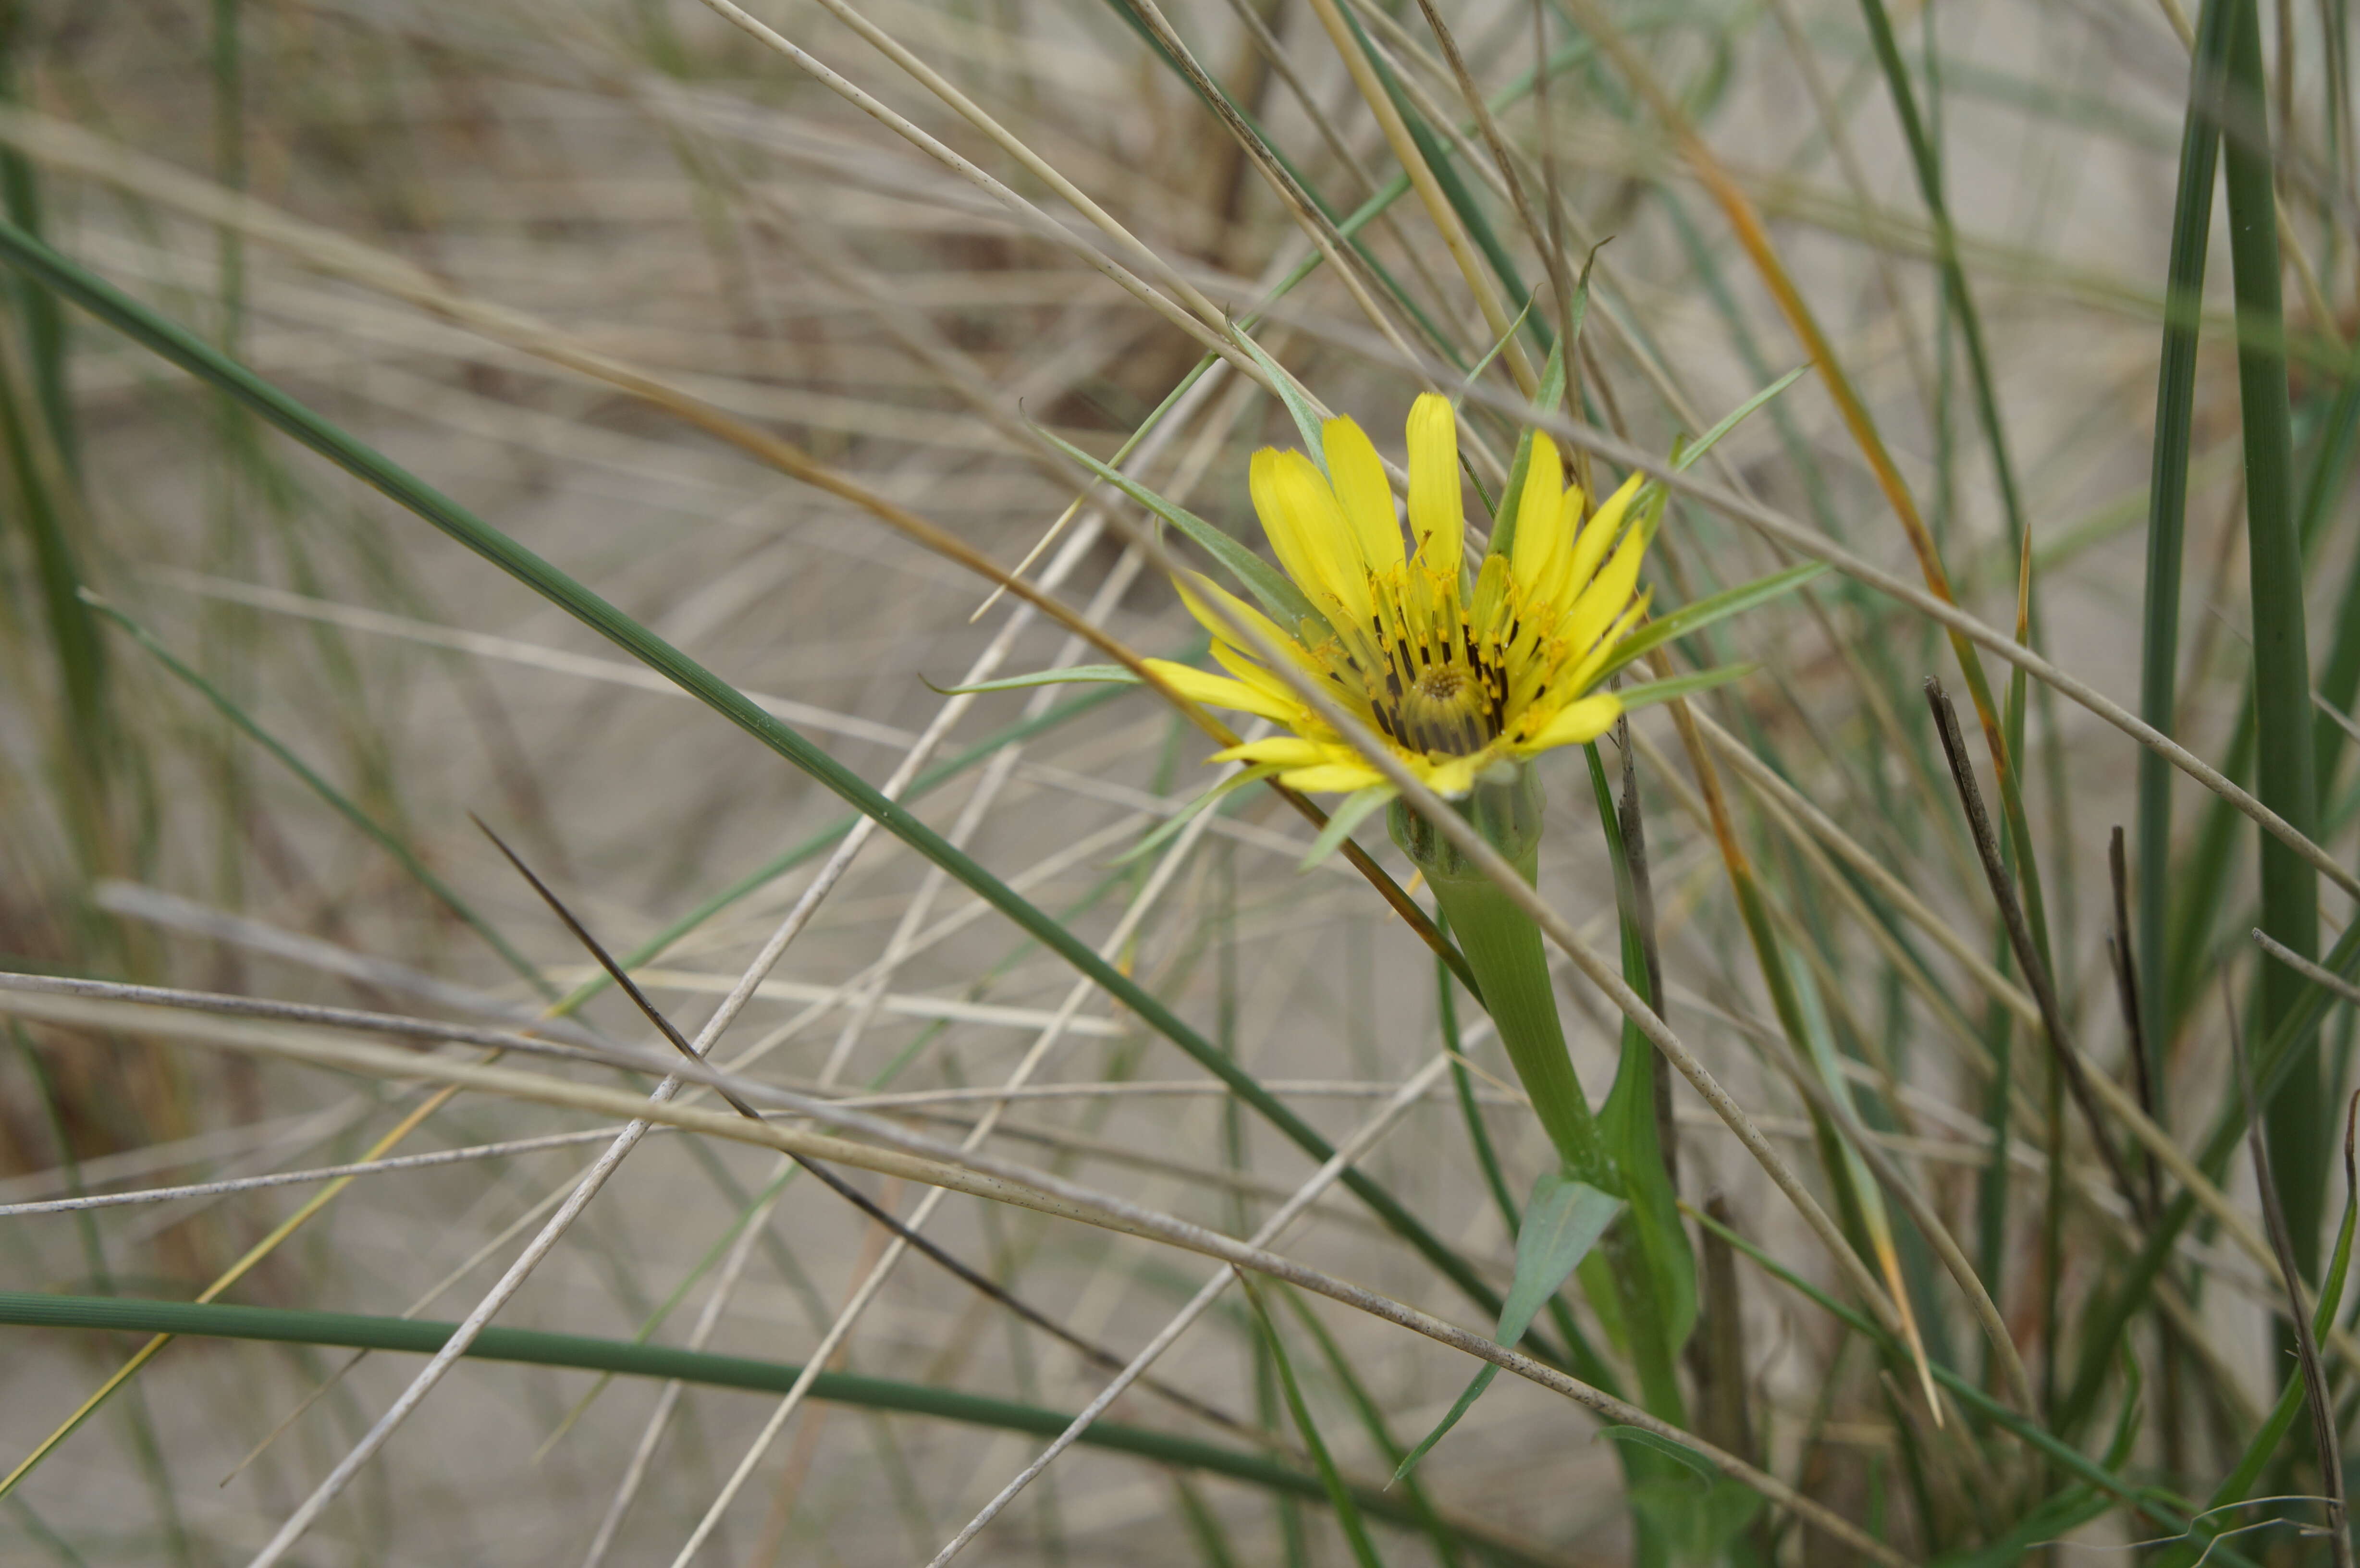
(2020, 938)
(853, 1195)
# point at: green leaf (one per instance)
(1734, 417)
(1282, 598)
(1688, 685)
(1640, 1437)
(1695, 1522)
(1351, 814)
(1290, 393)
(1648, 505)
(1562, 1221)
(1627, 1122)
(1111, 674)
(1695, 617)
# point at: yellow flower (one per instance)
(1460, 684)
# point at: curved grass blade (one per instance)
(1736, 417)
(170, 341)
(2285, 759)
(1675, 686)
(1290, 393)
(1339, 1496)
(637, 1359)
(2175, 402)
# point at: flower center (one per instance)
(1449, 709)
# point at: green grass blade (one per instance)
(1695, 617)
(2285, 759)
(1688, 685)
(1478, 1136)
(1926, 159)
(1339, 1496)
(1372, 1421)
(632, 1358)
(1349, 813)
(170, 341)
(2175, 399)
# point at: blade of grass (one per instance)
(1372, 1413)
(2175, 399)
(1926, 159)
(1339, 1496)
(2286, 760)
(634, 1359)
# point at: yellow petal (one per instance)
(1437, 520)
(1585, 720)
(1490, 597)
(1578, 678)
(1216, 691)
(1272, 504)
(1366, 496)
(1206, 598)
(1273, 688)
(1286, 751)
(1590, 548)
(1332, 777)
(1325, 557)
(1538, 529)
(1453, 778)
(1608, 594)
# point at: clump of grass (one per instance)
(400, 417)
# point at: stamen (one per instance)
(1448, 710)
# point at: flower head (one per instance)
(1462, 680)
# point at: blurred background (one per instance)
(618, 281)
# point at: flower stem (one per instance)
(1503, 947)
